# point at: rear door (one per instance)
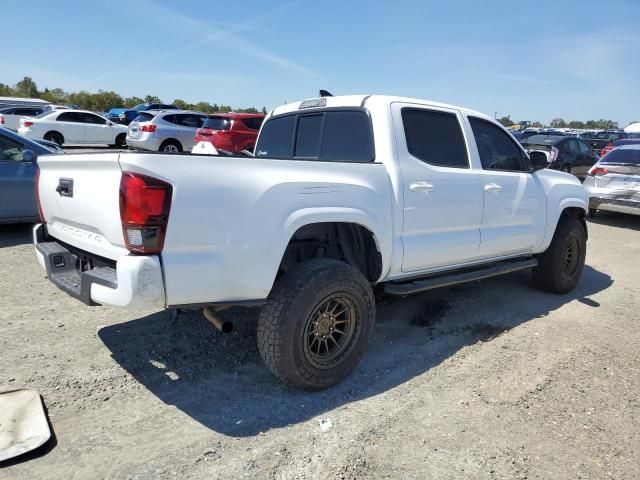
(186, 126)
(514, 214)
(442, 193)
(72, 127)
(85, 213)
(16, 182)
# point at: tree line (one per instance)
(103, 100)
(601, 124)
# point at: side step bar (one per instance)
(452, 278)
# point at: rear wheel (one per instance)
(170, 146)
(560, 266)
(54, 137)
(317, 324)
(121, 140)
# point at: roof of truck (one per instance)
(363, 100)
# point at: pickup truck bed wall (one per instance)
(236, 215)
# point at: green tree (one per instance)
(536, 124)
(26, 88)
(506, 121)
(204, 107)
(264, 110)
(5, 90)
(182, 104)
(558, 123)
(576, 124)
(132, 101)
(152, 99)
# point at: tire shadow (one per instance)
(220, 381)
(618, 220)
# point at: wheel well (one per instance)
(54, 132)
(348, 242)
(171, 140)
(578, 213)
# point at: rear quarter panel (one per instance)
(232, 217)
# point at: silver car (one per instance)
(613, 183)
(170, 131)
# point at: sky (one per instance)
(577, 60)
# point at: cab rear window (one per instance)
(331, 135)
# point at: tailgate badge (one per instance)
(65, 187)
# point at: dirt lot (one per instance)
(508, 383)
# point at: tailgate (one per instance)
(80, 201)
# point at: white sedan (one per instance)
(73, 127)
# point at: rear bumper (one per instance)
(135, 282)
(615, 205)
(144, 142)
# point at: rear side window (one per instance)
(217, 123)
(498, 151)
(189, 120)
(336, 135)
(435, 137)
(169, 118)
(75, 117)
(252, 123)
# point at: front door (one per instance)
(514, 200)
(442, 194)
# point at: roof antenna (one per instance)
(325, 93)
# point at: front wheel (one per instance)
(317, 324)
(560, 266)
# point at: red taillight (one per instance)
(1, 120)
(148, 128)
(144, 211)
(608, 147)
(26, 123)
(598, 171)
(37, 192)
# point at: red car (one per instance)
(233, 132)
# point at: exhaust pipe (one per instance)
(217, 321)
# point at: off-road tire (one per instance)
(560, 266)
(121, 140)
(294, 303)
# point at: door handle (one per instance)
(492, 188)
(421, 186)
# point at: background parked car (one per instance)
(10, 117)
(73, 126)
(233, 132)
(566, 153)
(18, 169)
(126, 115)
(170, 131)
(613, 183)
(618, 143)
(601, 139)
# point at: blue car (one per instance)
(18, 167)
(127, 115)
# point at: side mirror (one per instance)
(29, 156)
(539, 160)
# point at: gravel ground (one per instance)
(507, 383)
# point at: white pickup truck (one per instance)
(344, 195)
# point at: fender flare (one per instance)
(553, 217)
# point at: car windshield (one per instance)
(217, 123)
(622, 156)
(607, 136)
